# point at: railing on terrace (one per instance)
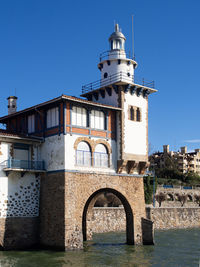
(197, 187)
(107, 54)
(116, 77)
(24, 164)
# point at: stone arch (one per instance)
(106, 144)
(128, 211)
(87, 140)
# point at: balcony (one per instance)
(115, 78)
(23, 166)
(117, 53)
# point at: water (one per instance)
(173, 248)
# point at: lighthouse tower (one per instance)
(113, 63)
(119, 87)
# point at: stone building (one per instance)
(58, 156)
(184, 161)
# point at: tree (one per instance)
(112, 200)
(160, 198)
(182, 199)
(148, 188)
(197, 199)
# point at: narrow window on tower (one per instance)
(138, 114)
(132, 111)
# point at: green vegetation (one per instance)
(172, 176)
(148, 188)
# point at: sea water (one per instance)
(173, 248)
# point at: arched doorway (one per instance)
(128, 211)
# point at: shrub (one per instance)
(160, 198)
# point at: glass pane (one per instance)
(97, 159)
(101, 121)
(78, 114)
(101, 148)
(74, 116)
(84, 117)
(83, 146)
(92, 119)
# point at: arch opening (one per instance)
(127, 208)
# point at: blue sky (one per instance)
(49, 48)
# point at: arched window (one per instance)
(101, 156)
(97, 119)
(138, 115)
(83, 154)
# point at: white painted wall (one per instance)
(115, 68)
(19, 196)
(70, 156)
(52, 151)
(135, 132)
(108, 100)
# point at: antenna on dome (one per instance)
(132, 39)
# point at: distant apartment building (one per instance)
(183, 160)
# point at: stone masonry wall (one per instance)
(52, 215)
(79, 187)
(67, 198)
(18, 232)
(114, 219)
(172, 218)
(107, 220)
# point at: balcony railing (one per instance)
(24, 164)
(117, 77)
(117, 52)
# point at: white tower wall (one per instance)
(135, 139)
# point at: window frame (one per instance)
(93, 120)
(31, 124)
(80, 156)
(49, 116)
(74, 113)
(100, 157)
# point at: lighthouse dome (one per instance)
(117, 39)
(117, 34)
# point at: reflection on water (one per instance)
(173, 248)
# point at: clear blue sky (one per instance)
(51, 47)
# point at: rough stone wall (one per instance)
(174, 204)
(114, 219)
(173, 218)
(63, 200)
(78, 189)
(52, 228)
(105, 220)
(18, 233)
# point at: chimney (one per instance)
(183, 150)
(166, 148)
(12, 104)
